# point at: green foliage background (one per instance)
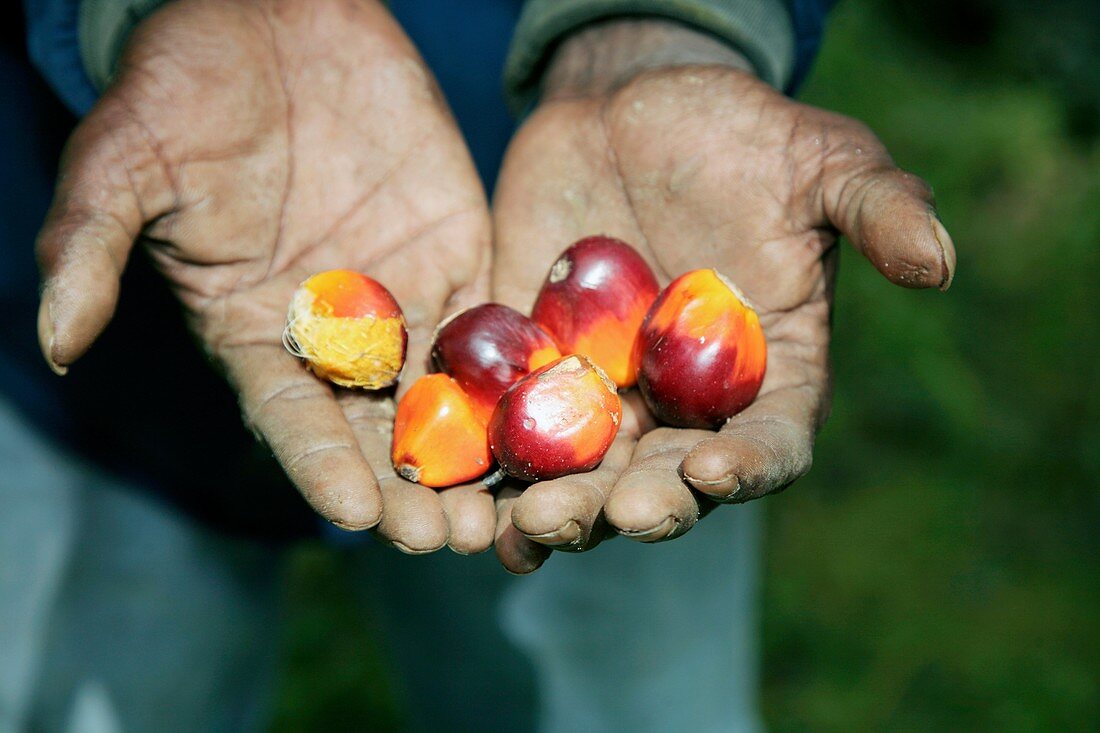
(940, 567)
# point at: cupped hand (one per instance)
(700, 166)
(245, 146)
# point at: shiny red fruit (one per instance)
(558, 420)
(488, 348)
(701, 351)
(594, 300)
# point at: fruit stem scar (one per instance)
(560, 270)
(409, 473)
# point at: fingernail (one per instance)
(46, 336)
(653, 534)
(519, 556)
(526, 566)
(567, 534)
(947, 251)
(723, 488)
(709, 487)
(411, 551)
(518, 573)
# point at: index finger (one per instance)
(298, 416)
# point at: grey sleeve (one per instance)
(760, 29)
(103, 27)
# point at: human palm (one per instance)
(702, 166)
(248, 145)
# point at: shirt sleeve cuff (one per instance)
(103, 27)
(760, 29)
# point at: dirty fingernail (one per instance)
(567, 534)
(46, 337)
(653, 534)
(722, 489)
(947, 251)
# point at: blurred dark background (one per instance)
(940, 567)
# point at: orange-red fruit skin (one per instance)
(439, 434)
(593, 302)
(701, 351)
(558, 420)
(348, 328)
(488, 348)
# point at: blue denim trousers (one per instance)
(117, 614)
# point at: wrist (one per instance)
(761, 31)
(603, 56)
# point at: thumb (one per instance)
(889, 216)
(109, 177)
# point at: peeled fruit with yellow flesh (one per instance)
(348, 328)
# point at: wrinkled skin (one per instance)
(246, 146)
(701, 166)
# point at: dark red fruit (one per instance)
(702, 352)
(488, 348)
(558, 420)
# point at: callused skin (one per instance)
(348, 328)
(439, 434)
(488, 348)
(558, 420)
(593, 302)
(701, 352)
